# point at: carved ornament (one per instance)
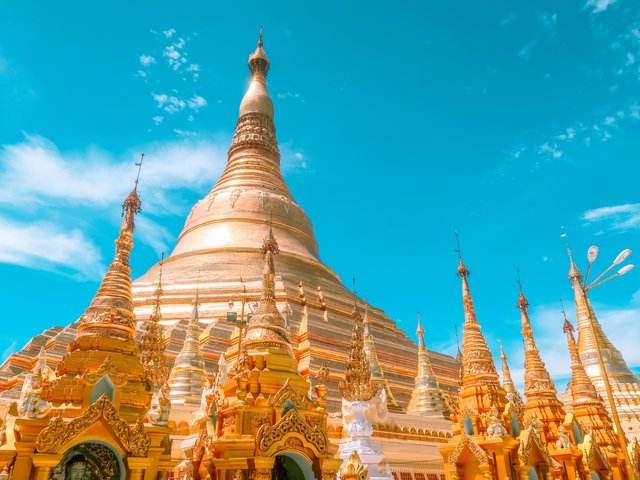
(291, 424)
(135, 440)
(287, 392)
(474, 448)
(119, 379)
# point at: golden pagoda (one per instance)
(589, 411)
(86, 419)
(539, 389)
(265, 421)
(426, 399)
(483, 444)
(625, 385)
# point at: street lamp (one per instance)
(592, 254)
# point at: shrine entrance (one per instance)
(292, 466)
(90, 460)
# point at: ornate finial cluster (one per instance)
(269, 243)
(111, 311)
(152, 343)
(353, 468)
(358, 384)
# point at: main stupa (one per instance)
(218, 258)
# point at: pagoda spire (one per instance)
(187, 379)
(539, 389)
(507, 381)
(377, 374)
(357, 386)
(537, 381)
(426, 398)
(267, 328)
(110, 313)
(152, 342)
(588, 406)
(477, 363)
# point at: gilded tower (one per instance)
(539, 389)
(624, 383)
(87, 417)
(426, 399)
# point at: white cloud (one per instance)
(525, 52)
(184, 133)
(158, 119)
(146, 60)
(598, 6)
(169, 103)
(196, 102)
(550, 150)
(547, 19)
(288, 94)
(617, 217)
(49, 247)
(510, 18)
(34, 171)
(169, 33)
(291, 159)
(153, 234)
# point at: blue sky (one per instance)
(398, 124)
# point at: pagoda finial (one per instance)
(152, 344)
(507, 380)
(111, 311)
(426, 398)
(420, 333)
(357, 384)
(258, 61)
(478, 367)
(267, 327)
(582, 388)
(260, 38)
(537, 381)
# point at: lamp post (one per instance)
(592, 254)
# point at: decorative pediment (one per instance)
(288, 393)
(530, 439)
(59, 433)
(466, 442)
(291, 432)
(592, 454)
(119, 379)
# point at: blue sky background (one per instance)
(398, 124)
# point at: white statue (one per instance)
(495, 428)
(160, 407)
(564, 441)
(32, 405)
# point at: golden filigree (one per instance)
(287, 392)
(135, 441)
(291, 423)
(119, 379)
(470, 444)
(528, 439)
(358, 384)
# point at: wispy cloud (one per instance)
(597, 6)
(173, 79)
(616, 217)
(35, 174)
(525, 52)
(49, 247)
